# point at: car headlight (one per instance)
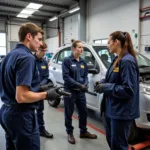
(145, 89)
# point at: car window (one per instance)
(142, 60)
(104, 55)
(88, 56)
(63, 53)
(55, 58)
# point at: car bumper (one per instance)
(144, 121)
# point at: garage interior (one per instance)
(86, 20)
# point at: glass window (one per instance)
(88, 57)
(55, 58)
(107, 57)
(142, 60)
(2, 43)
(104, 55)
(64, 53)
(101, 41)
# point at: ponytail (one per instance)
(129, 45)
(126, 45)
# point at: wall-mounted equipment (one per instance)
(144, 12)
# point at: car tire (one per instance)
(54, 103)
(133, 133)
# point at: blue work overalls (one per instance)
(75, 73)
(44, 74)
(121, 101)
(19, 120)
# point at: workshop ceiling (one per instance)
(50, 8)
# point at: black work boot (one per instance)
(46, 134)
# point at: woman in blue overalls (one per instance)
(121, 91)
(74, 71)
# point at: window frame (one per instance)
(96, 65)
(67, 48)
(56, 55)
(88, 50)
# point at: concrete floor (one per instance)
(54, 120)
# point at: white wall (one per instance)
(145, 29)
(107, 16)
(52, 44)
(13, 33)
(13, 28)
(3, 40)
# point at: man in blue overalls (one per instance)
(44, 74)
(74, 70)
(19, 92)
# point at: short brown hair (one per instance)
(29, 28)
(43, 46)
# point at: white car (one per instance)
(98, 60)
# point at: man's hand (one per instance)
(99, 88)
(52, 94)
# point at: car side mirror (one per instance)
(91, 69)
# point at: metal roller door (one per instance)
(71, 28)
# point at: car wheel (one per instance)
(54, 103)
(134, 132)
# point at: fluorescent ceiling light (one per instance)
(27, 11)
(53, 18)
(23, 15)
(34, 6)
(74, 10)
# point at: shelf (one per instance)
(147, 16)
(145, 9)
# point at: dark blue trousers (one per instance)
(79, 99)
(117, 132)
(21, 128)
(40, 115)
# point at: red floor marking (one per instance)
(88, 124)
(131, 147)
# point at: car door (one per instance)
(91, 96)
(53, 67)
(56, 65)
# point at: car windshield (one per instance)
(107, 57)
(142, 60)
(104, 55)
